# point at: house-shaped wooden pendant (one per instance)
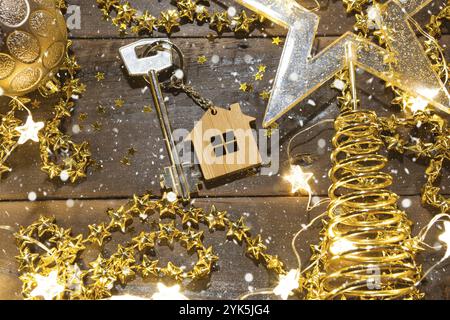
(224, 142)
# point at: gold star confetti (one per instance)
(147, 109)
(100, 76)
(262, 68)
(245, 87)
(97, 126)
(202, 59)
(265, 95)
(82, 116)
(259, 76)
(101, 109)
(277, 41)
(35, 104)
(119, 103)
(125, 161)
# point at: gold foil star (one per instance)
(149, 267)
(173, 271)
(255, 247)
(119, 219)
(238, 229)
(187, 9)
(207, 255)
(97, 126)
(98, 233)
(216, 219)
(220, 21)
(299, 74)
(243, 22)
(191, 216)
(144, 241)
(169, 20)
(192, 239)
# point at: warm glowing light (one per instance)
(47, 287)
(374, 15)
(29, 131)
(418, 104)
(445, 238)
(168, 293)
(299, 179)
(287, 284)
(341, 246)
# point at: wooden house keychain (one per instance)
(223, 141)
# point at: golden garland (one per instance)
(57, 150)
(62, 252)
(126, 18)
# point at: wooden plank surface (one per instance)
(265, 200)
(131, 127)
(229, 281)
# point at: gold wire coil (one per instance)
(366, 251)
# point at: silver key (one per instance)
(180, 178)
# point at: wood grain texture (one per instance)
(224, 143)
(228, 282)
(131, 127)
(264, 200)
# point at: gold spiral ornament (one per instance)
(367, 250)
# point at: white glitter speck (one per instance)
(64, 175)
(32, 196)
(70, 203)
(406, 203)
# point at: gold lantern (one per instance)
(33, 39)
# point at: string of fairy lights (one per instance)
(50, 257)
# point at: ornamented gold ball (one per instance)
(33, 39)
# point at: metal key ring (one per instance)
(173, 47)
